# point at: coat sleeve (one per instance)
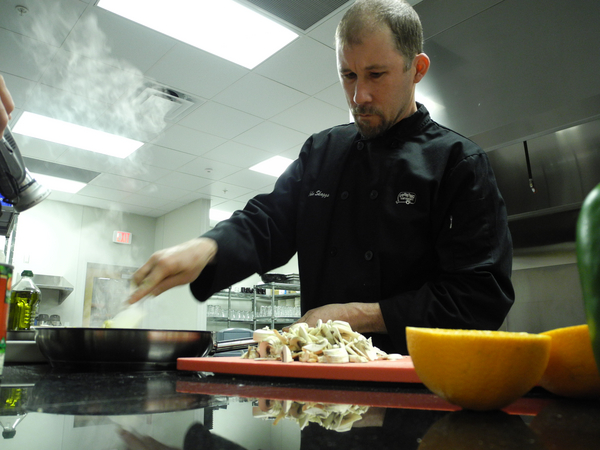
(471, 288)
(258, 238)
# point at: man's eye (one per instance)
(376, 74)
(349, 76)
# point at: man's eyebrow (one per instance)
(376, 67)
(368, 68)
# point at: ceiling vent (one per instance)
(175, 104)
(300, 13)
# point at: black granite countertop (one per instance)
(45, 408)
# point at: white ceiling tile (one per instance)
(102, 193)
(312, 116)
(93, 202)
(156, 213)
(192, 197)
(272, 137)
(118, 182)
(223, 190)
(249, 94)
(251, 180)
(231, 206)
(144, 201)
(170, 193)
(29, 64)
(248, 196)
(334, 95)
(292, 153)
(183, 181)
(195, 71)
(325, 31)
(208, 168)
(96, 79)
(20, 88)
(139, 210)
(155, 155)
(305, 65)
(38, 148)
(47, 21)
(69, 107)
(238, 154)
(88, 160)
(220, 120)
(142, 172)
(187, 140)
(60, 196)
(216, 201)
(118, 41)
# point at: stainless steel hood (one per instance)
(564, 167)
(508, 71)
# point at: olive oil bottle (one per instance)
(24, 300)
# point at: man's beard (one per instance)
(367, 130)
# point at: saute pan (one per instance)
(127, 348)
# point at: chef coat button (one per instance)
(360, 145)
(373, 195)
(344, 195)
(332, 251)
(368, 255)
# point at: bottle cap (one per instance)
(27, 273)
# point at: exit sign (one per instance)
(122, 237)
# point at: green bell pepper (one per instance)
(588, 263)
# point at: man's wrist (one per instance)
(366, 318)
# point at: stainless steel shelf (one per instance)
(271, 298)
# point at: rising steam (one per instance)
(84, 83)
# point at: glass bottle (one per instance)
(24, 300)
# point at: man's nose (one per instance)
(362, 93)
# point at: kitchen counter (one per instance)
(45, 408)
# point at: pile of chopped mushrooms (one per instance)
(332, 417)
(328, 342)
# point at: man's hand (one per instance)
(7, 105)
(362, 317)
(173, 267)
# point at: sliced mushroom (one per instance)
(286, 355)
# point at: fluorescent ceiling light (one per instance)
(218, 215)
(274, 166)
(66, 133)
(58, 184)
(222, 27)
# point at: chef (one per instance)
(396, 219)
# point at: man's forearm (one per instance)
(362, 317)
(366, 318)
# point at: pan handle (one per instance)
(231, 344)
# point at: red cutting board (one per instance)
(398, 371)
(380, 399)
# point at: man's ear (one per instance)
(421, 64)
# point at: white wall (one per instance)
(177, 308)
(547, 289)
(57, 238)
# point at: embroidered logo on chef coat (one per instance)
(407, 198)
(318, 194)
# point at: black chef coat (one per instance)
(412, 219)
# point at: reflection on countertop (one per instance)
(175, 410)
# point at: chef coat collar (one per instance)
(406, 127)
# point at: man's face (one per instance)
(379, 91)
